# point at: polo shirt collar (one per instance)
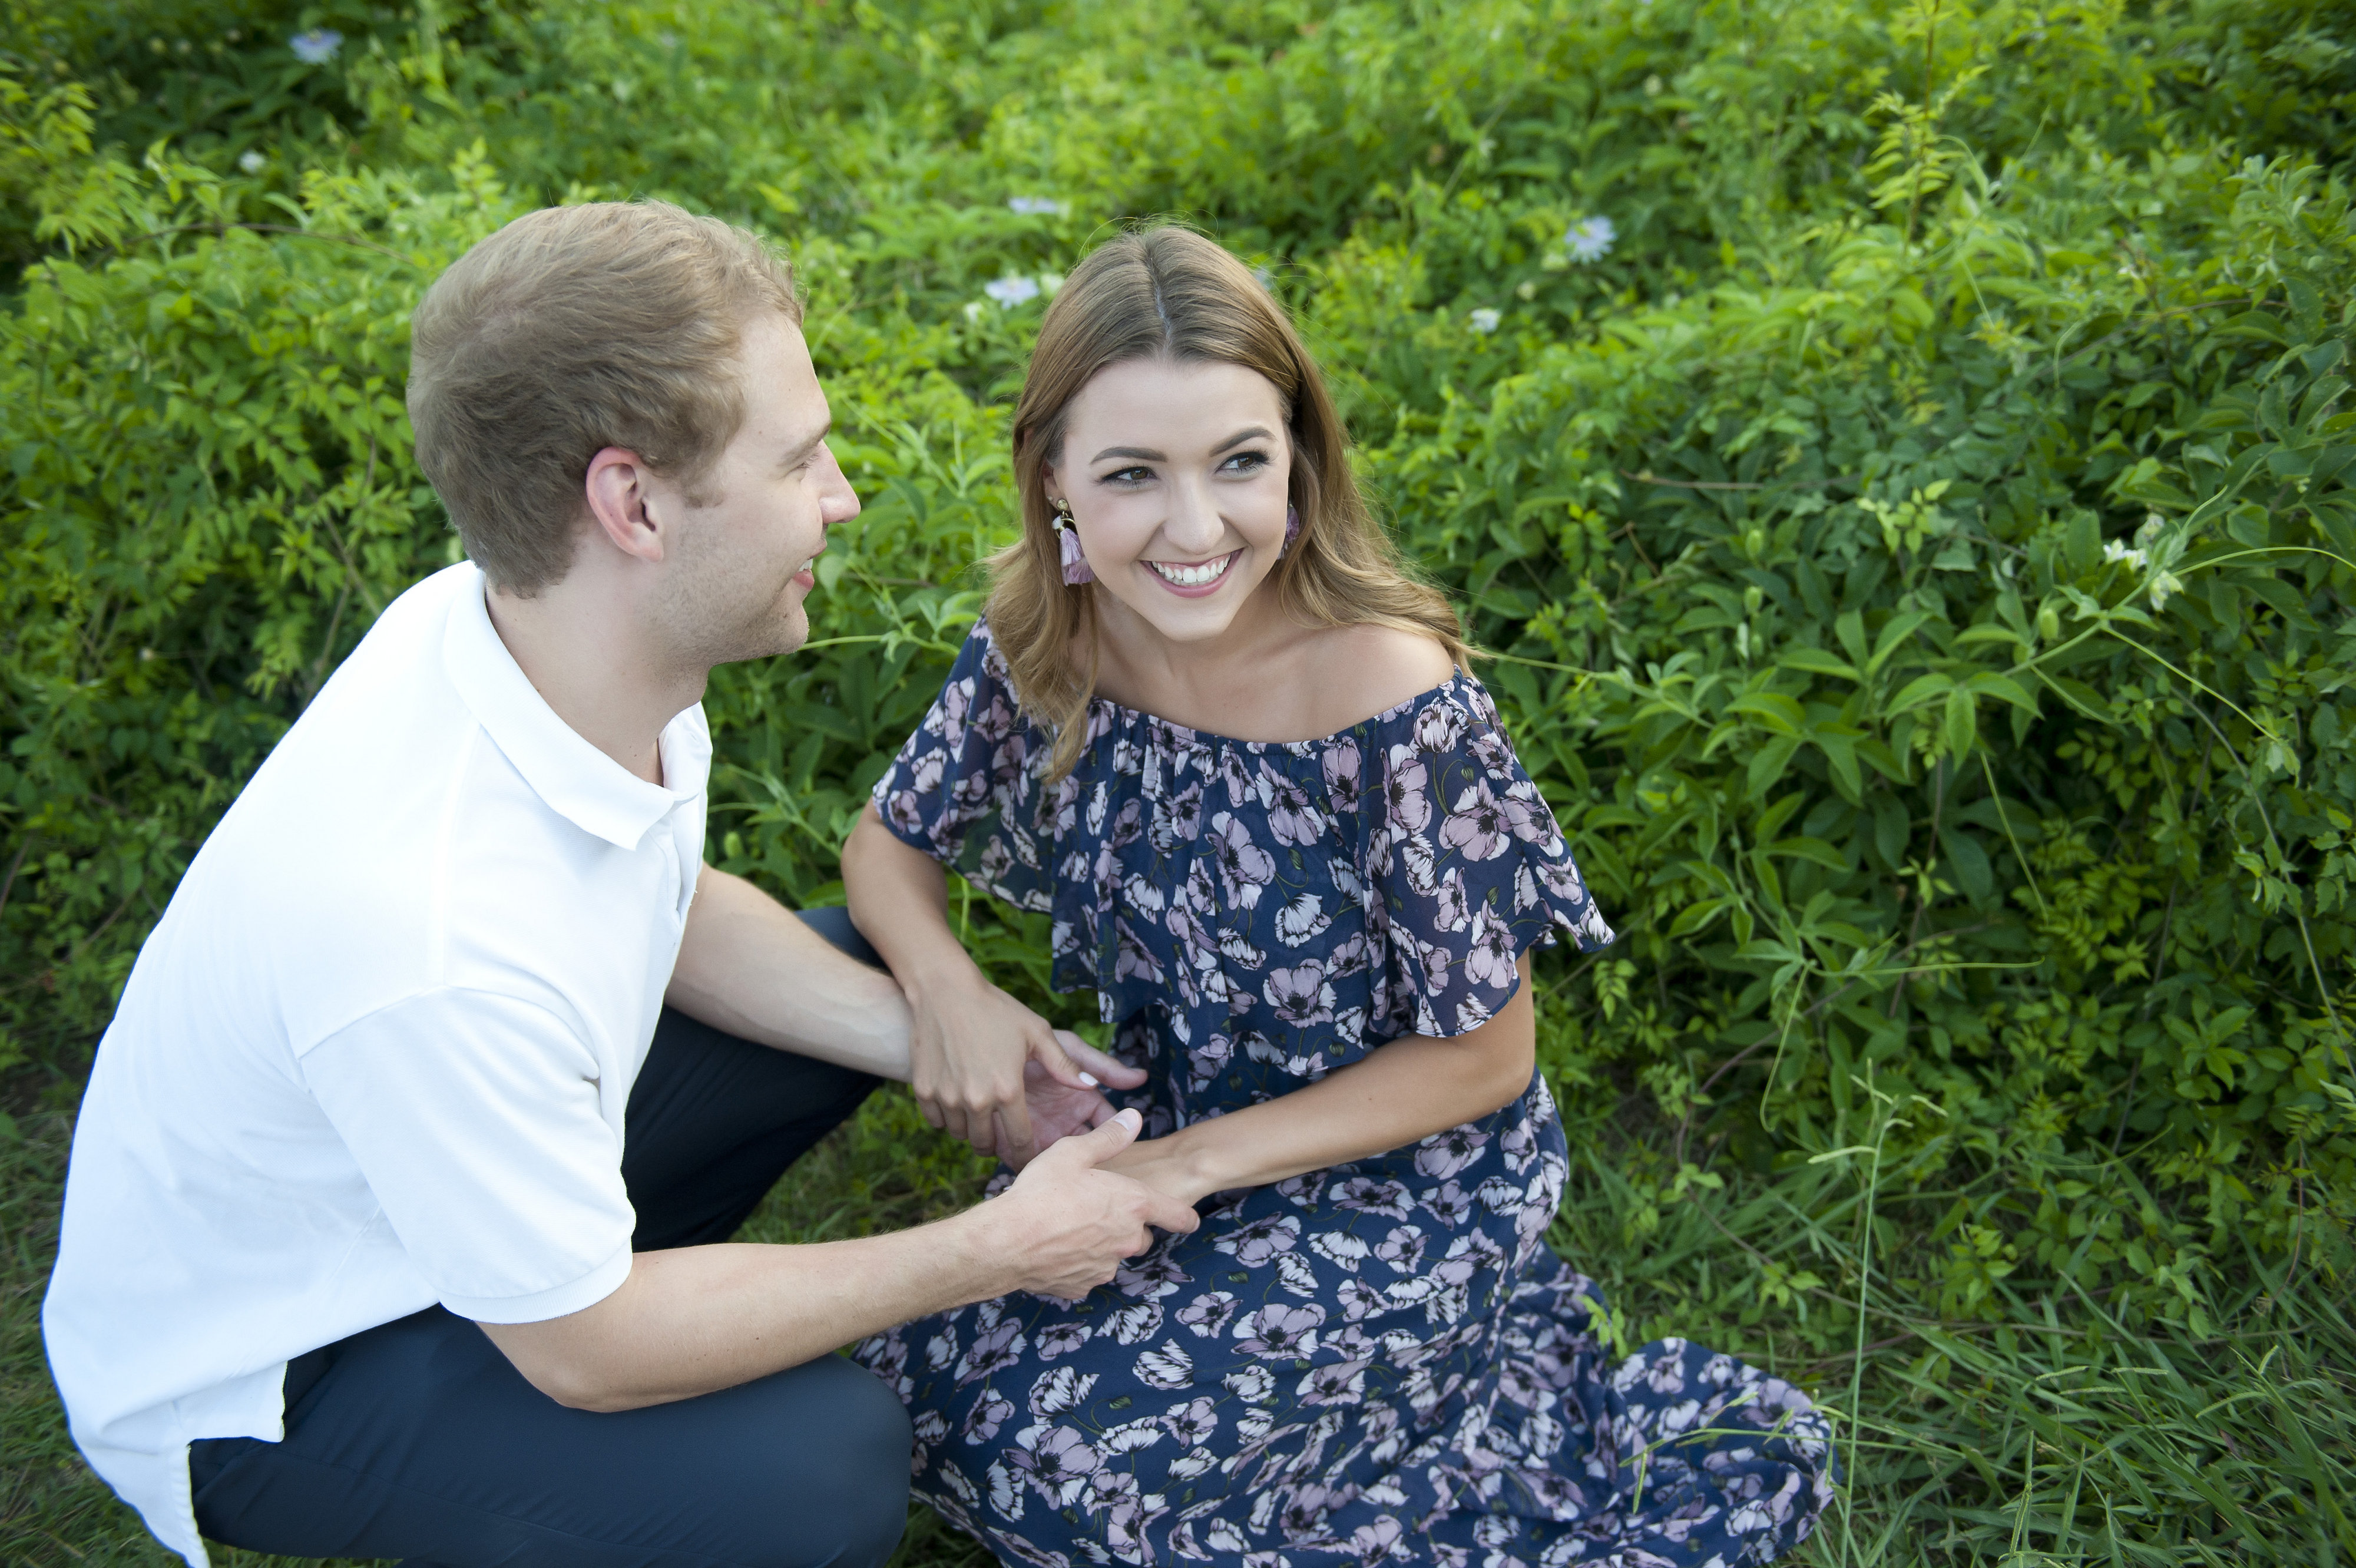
(576, 780)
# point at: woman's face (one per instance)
(1176, 475)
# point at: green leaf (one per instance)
(1963, 723)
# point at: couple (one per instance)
(397, 1220)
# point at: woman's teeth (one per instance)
(1196, 576)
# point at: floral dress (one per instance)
(1379, 1362)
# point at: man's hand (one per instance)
(969, 1052)
(1067, 1223)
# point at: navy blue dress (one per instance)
(1378, 1362)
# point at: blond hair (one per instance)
(572, 329)
(1168, 293)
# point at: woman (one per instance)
(1212, 725)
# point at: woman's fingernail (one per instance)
(1090, 1079)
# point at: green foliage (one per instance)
(1917, 553)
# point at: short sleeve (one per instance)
(476, 1120)
(1468, 869)
(963, 787)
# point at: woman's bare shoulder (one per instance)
(1370, 669)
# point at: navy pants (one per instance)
(419, 1440)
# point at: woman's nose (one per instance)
(1194, 525)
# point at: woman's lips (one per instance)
(1199, 586)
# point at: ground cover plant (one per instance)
(1898, 456)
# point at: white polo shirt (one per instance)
(376, 1054)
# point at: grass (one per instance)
(2043, 1430)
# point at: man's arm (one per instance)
(749, 966)
(698, 1319)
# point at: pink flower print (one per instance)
(1255, 1241)
(1448, 1204)
(1281, 1333)
(971, 793)
(1436, 962)
(1490, 748)
(1151, 1277)
(1244, 867)
(957, 701)
(1058, 1461)
(1471, 1014)
(1300, 995)
(1193, 1423)
(996, 862)
(1519, 1142)
(1451, 912)
(1525, 888)
(1348, 956)
(1440, 726)
(1005, 1493)
(1143, 894)
(1295, 1274)
(1232, 774)
(1290, 816)
(1250, 1384)
(1135, 959)
(1063, 806)
(1380, 1543)
(1129, 826)
(1371, 1195)
(1358, 1299)
(925, 776)
(997, 721)
(1006, 762)
(1202, 897)
(1403, 787)
(988, 1413)
(1209, 1313)
(1445, 1153)
(1378, 853)
(1344, 787)
(997, 1347)
(1178, 818)
(1481, 825)
(1403, 1248)
(1195, 944)
(1490, 961)
(1302, 919)
(902, 813)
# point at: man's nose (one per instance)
(839, 503)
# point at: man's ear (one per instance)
(620, 491)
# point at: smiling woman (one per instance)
(1285, 840)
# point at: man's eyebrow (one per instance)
(796, 454)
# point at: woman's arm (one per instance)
(1397, 1094)
(967, 1040)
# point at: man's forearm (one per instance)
(749, 966)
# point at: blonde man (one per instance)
(398, 1215)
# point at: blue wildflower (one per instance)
(1590, 239)
(1012, 290)
(1036, 206)
(316, 46)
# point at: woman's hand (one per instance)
(1165, 1165)
(1059, 1110)
(969, 1056)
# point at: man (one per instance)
(396, 1223)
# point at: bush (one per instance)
(1913, 529)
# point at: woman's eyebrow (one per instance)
(1147, 455)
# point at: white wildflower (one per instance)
(2118, 550)
(1590, 239)
(252, 162)
(316, 46)
(1036, 206)
(1012, 290)
(973, 310)
(1050, 282)
(1485, 320)
(2164, 586)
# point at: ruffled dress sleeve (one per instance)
(965, 787)
(1466, 870)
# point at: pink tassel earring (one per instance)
(1292, 530)
(1067, 535)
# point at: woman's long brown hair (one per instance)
(1168, 293)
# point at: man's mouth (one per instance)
(1195, 575)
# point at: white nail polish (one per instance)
(1090, 1079)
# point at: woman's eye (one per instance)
(1245, 463)
(1127, 476)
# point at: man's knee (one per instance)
(849, 1502)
